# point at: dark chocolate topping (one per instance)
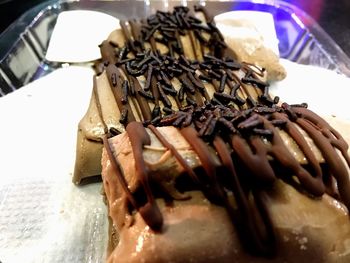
(119, 172)
(138, 138)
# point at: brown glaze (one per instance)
(150, 211)
(327, 140)
(119, 172)
(211, 186)
(256, 240)
(301, 142)
(313, 185)
(178, 157)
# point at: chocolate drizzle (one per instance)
(138, 138)
(328, 140)
(239, 122)
(257, 241)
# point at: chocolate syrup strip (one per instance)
(150, 211)
(236, 127)
(246, 221)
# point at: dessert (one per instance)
(180, 200)
(167, 48)
(200, 163)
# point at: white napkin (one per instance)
(325, 91)
(77, 34)
(39, 124)
(44, 217)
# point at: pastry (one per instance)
(154, 67)
(200, 163)
(273, 186)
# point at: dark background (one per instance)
(332, 15)
(10, 10)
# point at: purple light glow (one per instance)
(290, 28)
(312, 7)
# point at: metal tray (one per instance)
(23, 45)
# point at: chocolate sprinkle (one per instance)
(125, 89)
(124, 116)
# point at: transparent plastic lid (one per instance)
(43, 216)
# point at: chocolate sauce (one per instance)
(211, 185)
(119, 172)
(328, 140)
(177, 155)
(138, 138)
(255, 240)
